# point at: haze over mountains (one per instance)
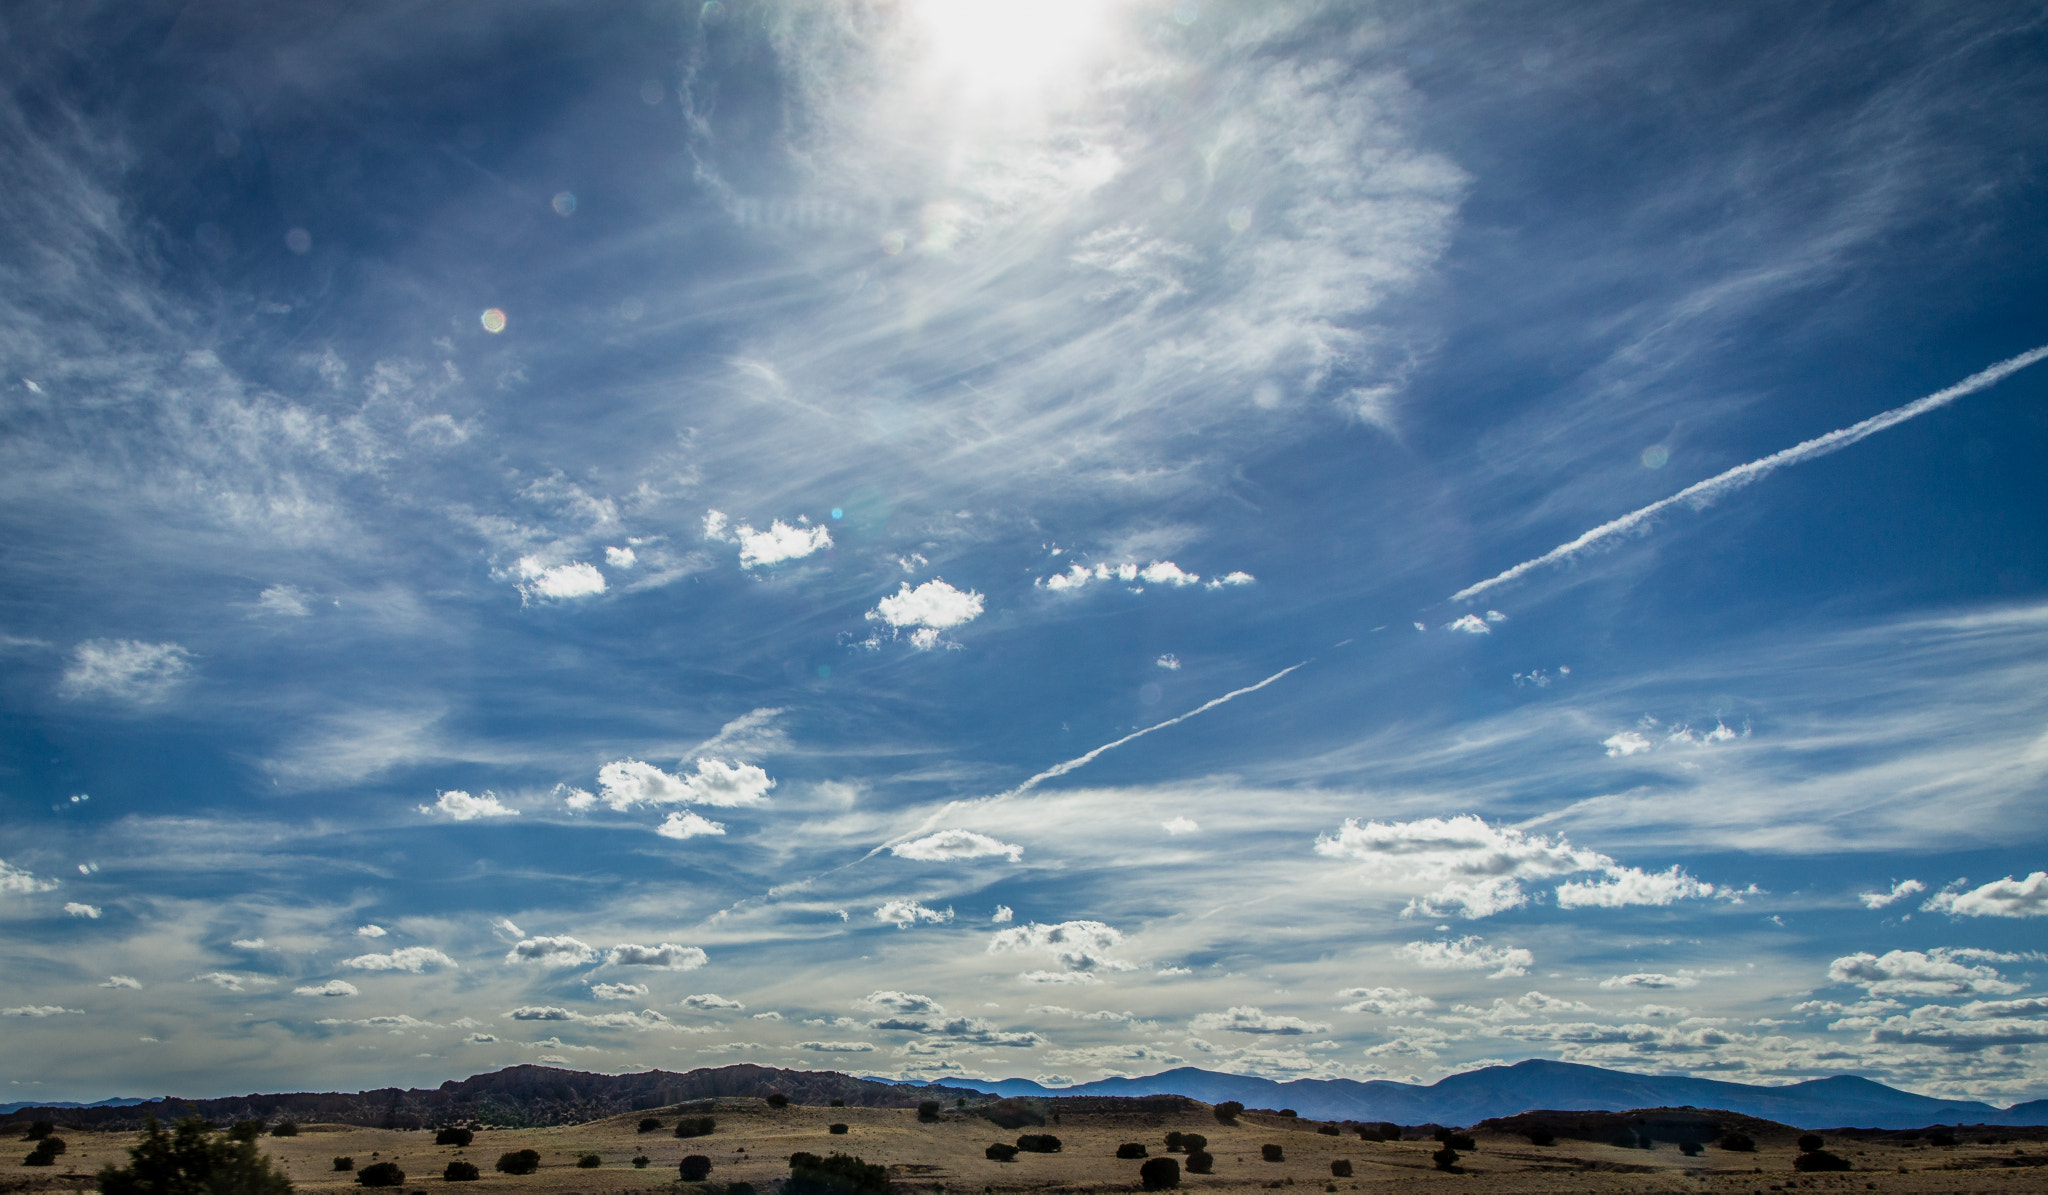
(541, 1095)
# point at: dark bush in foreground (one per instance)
(452, 1136)
(695, 1168)
(1130, 1149)
(1808, 1142)
(650, 1124)
(1193, 1142)
(1462, 1142)
(192, 1159)
(695, 1126)
(53, 1146)
(1328, 1130)
(1542, 1135)
(1738, 1143)
(1690, 1149)
(1000, 1153)
(1228, 1111)
(285, 1128)
(1445, 1158)
(246, 1130)
(929, 1110)
(39, 1129)
(589, 1162)
(39, 1158)
(1272, 1153)
(1200, 1161)
(1175, 1143)
(381, 1174)
(837, 1130)
(640, 1162)
(777, 1100)
(1039, 1143)
(1160, 1174)
(1820, 1159)
(1941, 1137)
(461, 1172)
(344, 1163)
(519, 1161)
(1340, 1168)
(840, 1174)
(739, 1189)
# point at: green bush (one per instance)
(1271, 1153)
(1328, 1130)
(246, 1130)
(461, 1172)
(53, 1146)
(1462, 1142)
(39, 1158)
(1690, 1149)
(192, 1159)
(381, 1174)
(344, 1163)
(285, 1128)
(641, 1162)
(840, 1174)
(695, 1126)
(928, 1110)
(778, 1100)
(1133, 1149)
(1445, 1158)
(1289, 1113)
(1039, 1143)
(1228, 1111)
(519, 1161)
(837, 1130)
(1160, 1174)
(1175, 1143)
(1738, 1143)
(1820, 1159)
(695, 1168)
(39, 1129)
(1000, 1152)
(649, 1124)
(1200, 1161)
(1808, 1142)
(589, 1162)
(1340, 1169)
(454, 1136)
(1193, 1142)
(1542, 1135)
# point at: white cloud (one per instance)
(479, 1039)
(1648, 980)
(1626, 743)
(461, 807)
(1248, 1019)
(1470, 898)
(285, 601)
(948, 845)
(577, 800)
(621, 558)
(837, 1047)
(557, 951)
(231, 982)
(410, 959)
(41, 1010)
(125, 670)
(333, 987)
(1470, 624)
(1999, 898)
(1059, 977)
(1236, 577)
(1169, 661)
(625, 783)
(1899, 892)
(1632, 886)
(559, 582)
(686, 825)
(1180, 825)
(714, 524)
(123, 981)
(711, 1002)
(903, 913)
(1080, 946)
(249, 944)
(619, 991)
(14, 879)
(933, 606)
(1385, 1002)
(1003, 915)
(370, 931)
(905, 1003)
(779, 543)
(1937, 972)
(80, 909)
(770, 1015)
(1470, 953)
(668, 956)
(1166, 572)
(646, 1018)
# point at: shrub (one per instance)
(461, 1172)
(589, 1162)
(1160, 1174)
(1389, 1131)
(1289, 1113)
(1340, 1168)
(640, 1162)
(840, 1174)
(1328, 1130)
(695, 1126)
(1228, 1111)
(1941, 1137)
(381, 1174)
(1738, 1143)
(519, 1161)
(1000, 1153)
(1200, 1161)
(695, 1168)
(1271, 1153)
(344, 1163)
(1445, 1158)
(454, 1136)
(39, 1129)
(1808, 1142)
(1039, 1143)
(192, 1159)
(285, 1128)
(53, 1146)
(1820, 1159)
(1175, 1143)
(1193, 1142)
(246, 1130)
(1542, 1135)
(838, 1103)
(39, 1158)
(1130, 1149)
(739, 1189)
(777, 1100)
(1624, 1138)
(837, 1130)
(1462, 1142)
(929, 1110)
(649, 1124)
(1690, 1149)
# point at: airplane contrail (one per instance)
(1700, 494)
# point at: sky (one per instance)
(949, 537)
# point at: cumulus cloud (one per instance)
(1937, 972)
(80, 909)
(1180, 825)
(1648, 980)
(411, 959)
(370, 931)
(1003, 915)
(907, 1003)
(779, 543)
(711, 1002)
(396, 1023)
(928, 609)
(249, 944)
(1385, 1002)
(1248, 1019)
(1632, 886)
(333, 987)
(1169, 661)
(646, 1018)
(460, 806)
(624, 783)
(770, 1015)
(1626, 743)
(948, 845)
(682, 824)
(228, 981)
(903, 913)
(14, 879)
(621, 558)
(41, 1010)
(837, 1047)
(1900, 891)
(283, 601)
(668, 956)
(557, 951)
(619, 991)
(560, 582)
(1470, 953)
(1469, 624)
(1080, 946)
(123, 981)
(124, 670)
(2000, 898)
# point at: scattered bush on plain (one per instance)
(1000, 1152)
(840, 1174)
(695, 1168)
(381, 1174)
(1228, 1111)
(1340, 1169)
(1200, 1161)
(695, 1126)
(461, 1172)
(1272, 1153)
(454, 1136)
(519, 1161)
(1159, 1174)
(1130, 1149)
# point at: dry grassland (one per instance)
(752, 1144)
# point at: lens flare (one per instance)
(494, 320)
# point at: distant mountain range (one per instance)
(1841, 1101)
(544, 1095)
(128, 1101)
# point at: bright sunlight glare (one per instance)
(996, 50)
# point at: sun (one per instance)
(1006, 50)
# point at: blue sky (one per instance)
(620, 535)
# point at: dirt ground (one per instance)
(753, 1142)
